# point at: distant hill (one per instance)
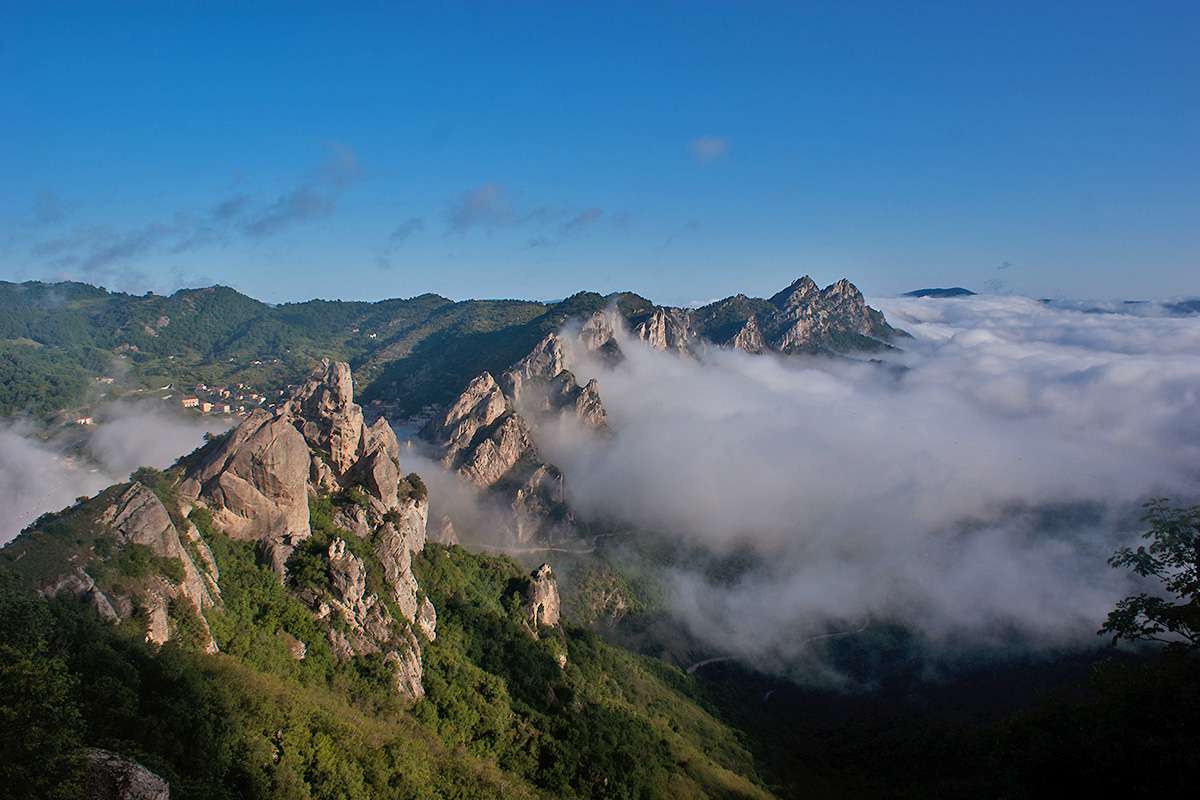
(1183, 307)
(408, 354)
(955, 291)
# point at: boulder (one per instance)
(256, 480)
(111, 776)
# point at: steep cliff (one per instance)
(487, 435)
(137, 553)
(803, 318)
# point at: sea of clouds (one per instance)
(969, 488)
(44, 471)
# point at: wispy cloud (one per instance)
(581, 220)
(486, 206)
(402, 232)
(490, 206)
(48, 209)
(399, 235)
(708, 148)
(314, 198)
(102, 253)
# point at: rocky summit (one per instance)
(146, 560)
(486, 436)
(802, 318)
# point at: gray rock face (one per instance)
(748, 337)
(666, 329)
(371, 628)
(495, 454)
(487, 435)
(135, 516)
(803, 318)
(396, 542)
(541, 384)
(542, 365)
(80, 585)
(598, 334)
(111, 776)
(325, 412)
(318, 442)
(427, 619)
(811, 319)
(541, 603)
(256, 480)
(139, 517)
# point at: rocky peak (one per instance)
(666, 329)
(255, 479)
(478, 407)
(543, 364)
(324, 411)
(257, 483)
(487, 435)
(597, 334)
(132, 516)
(801, 291)
(835, 318)
(749, 337)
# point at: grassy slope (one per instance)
(501, 719)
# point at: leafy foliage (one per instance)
(608, 724)
(1172, 557)
(54, 338)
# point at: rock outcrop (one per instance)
(256, 482)
(111, 776)
(803, 318)
(666, 329)
(487, 435)
(255, 479)
(837, 317)
(540, 600)
(148, 581)
(321, 443)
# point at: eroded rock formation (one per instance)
(487, 435)
(256, 482)
(803, 318)
(540, 601)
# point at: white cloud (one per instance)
(973, 485)
(40, 474)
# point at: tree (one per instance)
(1173, 558)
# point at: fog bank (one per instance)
(971, 486)
(41, 471)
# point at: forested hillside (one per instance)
(55, 338)
(500, 718)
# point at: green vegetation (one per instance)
(501, 718)
(1173, 559)
(55, 338)
(213, 726)
(608, 724)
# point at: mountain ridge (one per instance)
(407, 353)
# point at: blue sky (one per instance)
(686, 151)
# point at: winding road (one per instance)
(692, 669)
